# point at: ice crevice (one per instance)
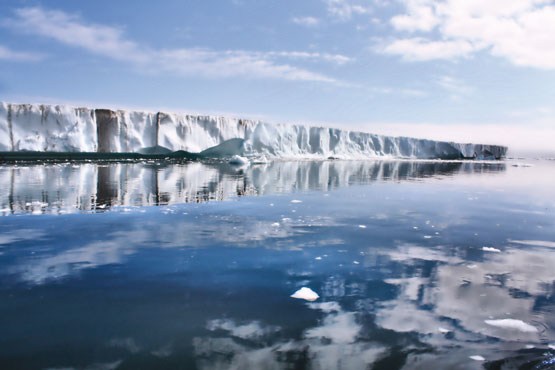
(61, 128)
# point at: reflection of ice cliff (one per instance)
(47, 128)
(68, 188)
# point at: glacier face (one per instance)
(57, 128)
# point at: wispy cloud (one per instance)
(18, 56)
(111, 42)
(521, 31)
(306, 21)
(420, 49)
(332, 58)
(456, 88)
(344, 10)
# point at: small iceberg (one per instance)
(477, 358)
(513, 324)
(238, 160)
(305, 293)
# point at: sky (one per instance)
(461, 70)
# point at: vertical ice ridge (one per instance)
(10, 127)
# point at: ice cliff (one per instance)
(58, 128)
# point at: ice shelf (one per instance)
(60, 128)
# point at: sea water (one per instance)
(286, 265)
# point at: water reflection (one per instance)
(418, 274)
(67, 188)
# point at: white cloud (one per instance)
(18, 56)
(420, 49)
(344, 10)
(306, 21)
(332, 58)
(522, 31)
(110, 42)
(420, 17)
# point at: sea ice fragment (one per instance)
(305, 293)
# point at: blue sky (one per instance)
(466, 70)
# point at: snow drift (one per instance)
(57, 128)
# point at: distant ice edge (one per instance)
(60, 128)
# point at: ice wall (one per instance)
(55, 128)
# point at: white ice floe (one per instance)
(305, 293)
(477, 358)
(296, 201)
(512, 324)
(275, 224)
(318, 258)
(551, 346)
(443, 330)
(491, 249)
(362, 226)
(238, 160)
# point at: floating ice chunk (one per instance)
(415, 227)
(238, 160)
(318, 258)
(260, 160)
(491, 249)
(530, 346)
(427, 237)
(443, 330)
(275, 224)
(305, 293)
(512, 324)
(477, 358)
(296, 201)
(551, 346)
(362, 226)
(356, 262)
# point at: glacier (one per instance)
(64, 129)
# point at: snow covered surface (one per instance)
(57, 128)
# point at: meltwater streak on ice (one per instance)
(58, 128)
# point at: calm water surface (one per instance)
(418, 265)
